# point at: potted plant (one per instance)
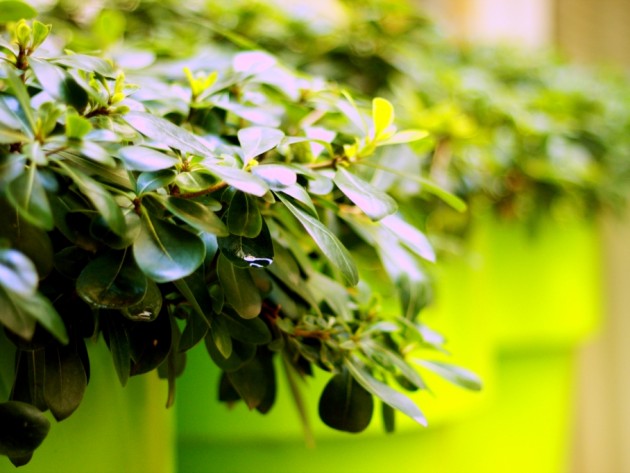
(214, 202)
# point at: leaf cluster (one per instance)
(211, 203)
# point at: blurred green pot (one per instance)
(516, 309)
(114, 430)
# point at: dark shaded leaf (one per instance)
(148, 308)
(112, 281)
(23, 428)
(65, 381)
(119, 346)
(239, 289)
(248, 252)
(389, 417)
(345, 405)
(221, 337)
(246, 330)
(150, 343)
(255, 381)
(241, 354)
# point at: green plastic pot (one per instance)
(114, 430)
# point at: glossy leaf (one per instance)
(162, 131)
(17, 273)
(28, 195)
(195, 331)
(384, 392)
(327, 242)
(65, 381)
(374, 202)
(275, 175)
(119, 346)
(151, 181)
(410, 236)
(383, 116)
(239, 289)
(196, 215)
(21, 94)
(148, 308)
(243, 217)
(248, 252)
(241, 180)
(140, 158)
(195, 291)
(87, 63)
(149, 342)
(345, 405)
(257, 140)
(102, 201)
(405, 136)
(112, 281)
(456, 375)
(166, 252)
(58, 84)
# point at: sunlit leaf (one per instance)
(456, 375)
(28, 196)
(327, 242)
(374, 202)
(140, 158)
(17, 273)
(196, 215)
(384, 392)
(382, 115)
(241, 180)
(11, 10)
(257, 140)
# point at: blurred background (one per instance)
(528, 106)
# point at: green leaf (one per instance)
(221, 337)
(87, 63)
(195, 331)
(384, 392)
(248, 252)
(246, 330)
(383, 116)
(253, 381)
(64, 381)
(148, 308)
(119, 345)
(14, 317)
(327, 242)
(243, 216)
(23, 428)
(335, 295)
(456, 375)
(374, 202)
(239, 288)
(58, 83)
(389, 418)
(275, 175)
(150, 343)
(195, 291)
(141, 158)
(14, 11)
(166, 252)
(21, 94)
(112, 281)
(11, 136)
(77, 126)
(242, 353)
(345, 405)
(28, 196)
(196, 215)
(410, 236)
(257, 140)
(387, 358)
(405, 136)
(241, 180)
(150, 181)
(17, 273)
(162, 131)
(102, 200)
